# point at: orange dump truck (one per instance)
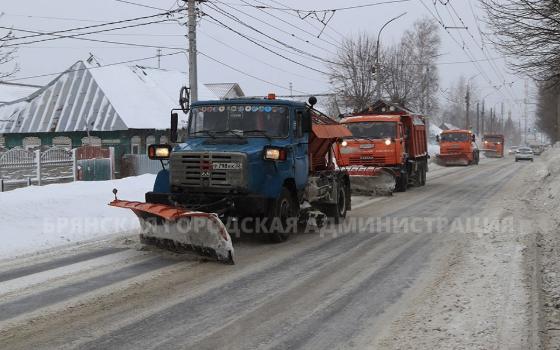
(387, 151)
(493, 145)
(457, 147)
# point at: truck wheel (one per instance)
(283, 217)
(338, 211)
(402, 183)
(423, 181)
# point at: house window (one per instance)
(150, 140)
(91, 141)
(62, 142)
(2, 142)
(135, 145)
(31, 143)
(163, 140)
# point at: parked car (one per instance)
(524, 153)
(537, 149)
(512, 149)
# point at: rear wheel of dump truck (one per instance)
(282, 219)
(423, 175)
(402, 182)
(338, 211)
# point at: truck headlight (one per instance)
(387, 142)
(274, 153)
(344, 143)
(159, 152)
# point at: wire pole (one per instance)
(478, 118)
(159, 58)
(468, 102)
(482, 119)
(193, 67)
(526, 114)
(377, 63)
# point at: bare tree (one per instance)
(400, 79)
(352, 71)
(410, 75)
(8, 66)
(528, 31)
(548, 102)
(422, 44)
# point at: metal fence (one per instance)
(20, 167)
(138, 164)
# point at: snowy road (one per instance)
(313, 292)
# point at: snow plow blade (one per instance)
(371, 181)
(179, 229)
(451, 159)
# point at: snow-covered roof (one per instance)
(225, 90)
(448, 126)
(99, 98)
(13, 91)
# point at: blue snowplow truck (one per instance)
(258, 165)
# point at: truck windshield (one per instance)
(455, 137)
(241, 120)
(493, 139)
(373, 130)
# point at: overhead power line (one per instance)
(277, 47)
(267, 64)
(264, 47)
(94, 67)
(236, 19)
(323, 10)
(93, 26)
(247, 74)
(76, 37)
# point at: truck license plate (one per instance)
(226, 166)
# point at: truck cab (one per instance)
(255, 158)
(376, 141)
(493, 145)
(386, 139)
(457, 147)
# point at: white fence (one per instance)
(20, 167)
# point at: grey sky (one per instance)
(57, 55)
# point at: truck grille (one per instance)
(198, 170)
(367, 160)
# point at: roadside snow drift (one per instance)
(36, 218)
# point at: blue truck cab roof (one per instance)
(263, 101)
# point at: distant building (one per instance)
(126, 107)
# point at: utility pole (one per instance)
(377, 63)
(468, 102)
(478, 118)
(159, 58)
(193, 67)
(291, 89)
(491, 120)
(501, 128)
(525, 112)
(482, 119)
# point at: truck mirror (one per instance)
(173, 129)
(305, 121)
(437, 138)
(473, 137)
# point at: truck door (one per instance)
(300, 150)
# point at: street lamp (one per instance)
(377, 65)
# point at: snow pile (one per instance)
(36, 218)
(433, 149)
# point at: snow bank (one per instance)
(36, 218)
